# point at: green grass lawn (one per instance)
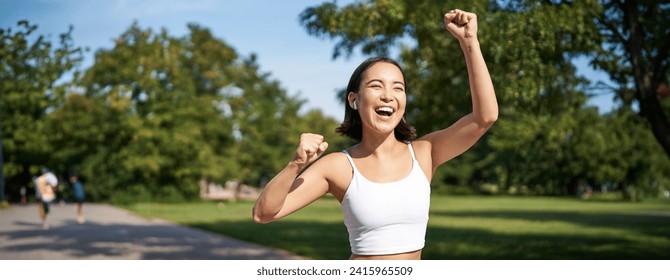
(460, 227)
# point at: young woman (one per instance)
(383, 182)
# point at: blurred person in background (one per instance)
(45, 192)
(78, 196)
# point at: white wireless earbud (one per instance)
(355, 107)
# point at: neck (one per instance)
(379, 144)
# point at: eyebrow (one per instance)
(378, 80)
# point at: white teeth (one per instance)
(385, 109)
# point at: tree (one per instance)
(634, 52)
(149, 119)
(264, 118)
(85, 136)
(577, 149)
(531, 73)
(30, 66)
(528, 52)
(186, 109)
(168, 93)
(529, 47)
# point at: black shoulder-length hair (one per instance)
(352, 126)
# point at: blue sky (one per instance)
(270, 29)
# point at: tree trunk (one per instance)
(571, 187)
(647, 75)
(651, 109)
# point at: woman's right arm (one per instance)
(285, 193)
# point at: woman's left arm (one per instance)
(459, 137)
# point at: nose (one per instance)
(387, 95)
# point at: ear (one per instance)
(351, 99)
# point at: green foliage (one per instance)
(315, 121)
(547, 141)
(30, 65)
(527, 50)
(195, 110)
(156, 113)
(579, 148)
(152, 116)
(636, 55)
(130, 194)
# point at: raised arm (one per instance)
(285, 193)
(454, 140)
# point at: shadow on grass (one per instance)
(474, 244)
(653, 224)
(329, 241)
(648, 237)
(321, 241)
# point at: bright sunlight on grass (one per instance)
(460, 227)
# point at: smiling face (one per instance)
(381, 98)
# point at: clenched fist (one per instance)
(311, 147)
(461, 24)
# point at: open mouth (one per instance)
(384, 111)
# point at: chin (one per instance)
(383, 124)
(386, 127)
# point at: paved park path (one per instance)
(114, 233)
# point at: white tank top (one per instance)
(387, 218)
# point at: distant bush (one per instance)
(135, 193)
(169, 194)
(608, 196)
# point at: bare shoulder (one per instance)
(333, 165)
(337, 170)
(422, 148)
(423, 151)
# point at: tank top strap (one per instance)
(411, 150)
(351, 161)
